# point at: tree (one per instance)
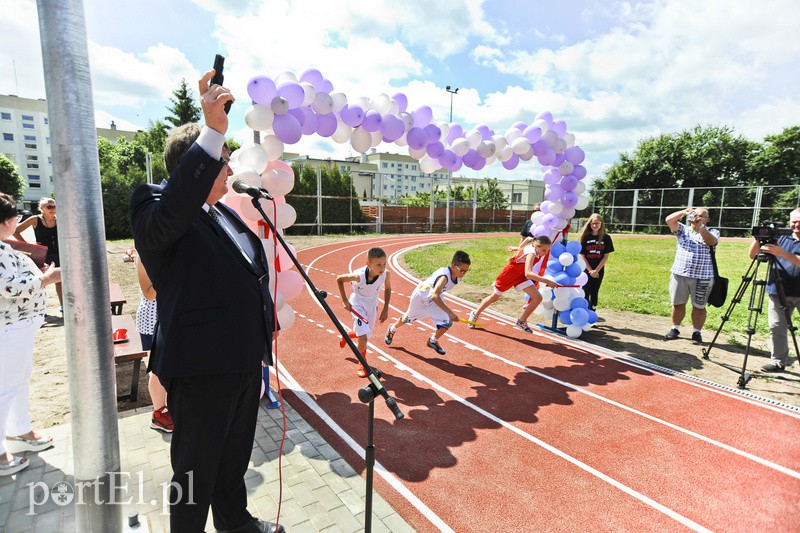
(11, 181)
(490, 196)
(183, 108)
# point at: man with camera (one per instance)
(692, 271)
(786, 251)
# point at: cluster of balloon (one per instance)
(567, 268)
(565, 194)
(253, 164)
(289, 107)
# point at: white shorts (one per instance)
(424, 307)
(680, 287)
(368, 310)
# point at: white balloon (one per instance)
(393, 108)
(417, 153)
(504, 154)
(490, 160)
(342, 133)
(278, 181)
(565, 168)
(561, 305)
(285, 78)
(536, 217)
(583, 203)
(360, 140)
(407, 119)
(586, 327)
(286, 317)
(512, 134)
(486, 149)
(444, 127)
(428, 164)
(555, 208)
(284, 216)
(561, 145)
(547, 304)
(309, 93)
(520, 145)
(402, 141)
(574, 331)
(580, 188)
(551, 138)
(273, 147)
(561, 224)
(474, 137)
(279, 105)
(460, 146)
(253, 156)
(322, 104)
(259, 117)
(567, 213)
(364, 103)
(269, 251)
(280, 301)
(248, 175)
(569, 138)
(248, 210)
(339, 101)
(381, 103)
(566, 259)
(377, 138)
(501, 142)
(563, 293)
(541, 124)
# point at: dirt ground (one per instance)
(640, 336)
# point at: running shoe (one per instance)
(435, 345)
(389, 336)
(523, 326)
(472, 318)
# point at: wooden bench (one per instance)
(117, 298)
(129, 351)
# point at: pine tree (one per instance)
(183, 109)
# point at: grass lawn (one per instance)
(636, 279)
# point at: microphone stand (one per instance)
(366, 394)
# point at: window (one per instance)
(50, 161)
(5, 116)
(30, 138)
(32, 157)
(27, 126)
(385, 165)
(47, 140)
(8, 136)
(34, 185)
(46, 120)
(30, 146)
(516, 198)
(413, 167)
(33, 165)
(27, 117)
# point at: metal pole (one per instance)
(82, 241)
(380, 203)
(474, 205)
(319, 201)
(447, 208)
(433, 186)
(634, 207)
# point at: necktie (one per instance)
(217, 217)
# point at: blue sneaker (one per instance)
(389, 336)
(435, 345)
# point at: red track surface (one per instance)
(517, 432)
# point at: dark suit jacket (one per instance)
(215, 313)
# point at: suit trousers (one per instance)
(215, 423)
(779, 326)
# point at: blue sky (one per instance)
(616, 72)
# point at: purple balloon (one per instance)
(416, 138)
(433, 132)
(486, 133)
(560, 158)
(470, 158)
(547, 116)
(579, 172)
(519, 125)
(298, 114)
(447, 159)
(422, 116)
(549, 221)
(544, 207)
(310, 121)
(559, 127)
(551, 176)
(352, 115)
(312, 76)
(392, 128)
(569, 182)
(287, 128)
(455, 132)
(261, 90)
(539, 231)
(293, 92)
(512, 162)
(539, 148)
(574, 155)
(548, 157)
(554, 193)
(435, 149)
(532, 133)
(480, 163)
(569, 199)
(372, 121)
(325, 86)
(402, 102)
(326, 125)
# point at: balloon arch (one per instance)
(287, 108)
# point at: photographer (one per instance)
(786, 252)
(692, 272)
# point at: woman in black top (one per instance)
(596, 244)
(45, 228)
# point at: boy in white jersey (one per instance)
(427, 301)
(367, 282)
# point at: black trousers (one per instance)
(215, 423)
(592, 287)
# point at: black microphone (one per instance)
(242, 187)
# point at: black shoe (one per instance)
(435, 345)
(773, 367)
(255, 526)
(697, 338)
(672, 335)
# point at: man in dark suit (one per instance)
(215, 320)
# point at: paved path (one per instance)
(321, 492)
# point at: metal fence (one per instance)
(733, 210)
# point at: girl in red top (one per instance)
(523, 272)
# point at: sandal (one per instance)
(16, 464)
(21, 444)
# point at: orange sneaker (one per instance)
(361, 372)
(162, 420)
(352, 335)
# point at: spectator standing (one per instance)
(692, 271)
(45, 229)
(596, 244)
(22, 306)
(787, 257)
(525, 232)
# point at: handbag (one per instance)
(719, 291)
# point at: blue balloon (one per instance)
(579, 316)
(574, 247)
(562, 278)
(564, 317)
(557, 249)
(579, 303)
(574, 270)
(592, 317)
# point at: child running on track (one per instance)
(523, 272)
(427, 301)
(367, 282)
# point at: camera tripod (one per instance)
(756, 304)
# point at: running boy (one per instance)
(523, 272)
(363, 302)
(427, 301)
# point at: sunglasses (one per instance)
(49, 207)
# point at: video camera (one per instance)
(768, 232)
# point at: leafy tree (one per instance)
(233, 145)
(490, 196)
(11, 181)
(183, 108)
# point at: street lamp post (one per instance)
(447, 209)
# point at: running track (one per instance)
(516, 432)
